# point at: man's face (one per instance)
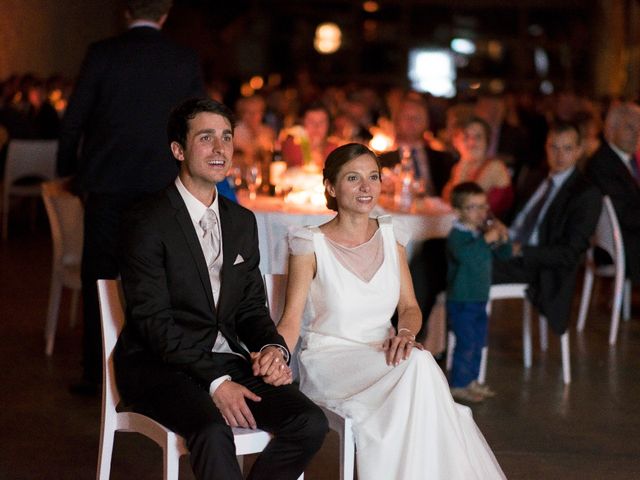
(563, 150)
(411, 122)
(206, 155)
(626, 132)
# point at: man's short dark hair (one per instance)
(462, 191)
(178, 124)
(562, 126)
(148, 9)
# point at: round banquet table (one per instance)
(429, 219)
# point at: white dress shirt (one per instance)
(558, 180)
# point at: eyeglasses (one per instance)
(475, 206)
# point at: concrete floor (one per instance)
(537, 427)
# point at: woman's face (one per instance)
(471, 142)
(357, 186)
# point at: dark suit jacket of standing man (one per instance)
(171, 315)
(607, 171)
(440, 164)
(551, 267)
(117, 113)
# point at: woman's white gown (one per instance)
(406, 423)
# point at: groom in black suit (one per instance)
(112, 141)
(195, 309)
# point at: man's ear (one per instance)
(177, 151)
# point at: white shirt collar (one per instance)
(195, 207)
(560, 177)
(624, 156)
(144, 23)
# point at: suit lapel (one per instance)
(557, 206)
(190, 236)
(229, 249)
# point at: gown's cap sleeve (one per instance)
(401, 230)
(300, 240)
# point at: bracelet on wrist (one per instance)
(413, 337)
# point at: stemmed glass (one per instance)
(253, 176)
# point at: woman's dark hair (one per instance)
(178, 124)
(336, 160)
(463, 190)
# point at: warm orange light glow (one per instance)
(246, 90)
(328, 38)
(256, 82)
(370, 6)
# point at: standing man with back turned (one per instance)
(196, 308)
(117, 113)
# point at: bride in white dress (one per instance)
(352, 361)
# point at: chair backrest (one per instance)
(66, 213)
(608, 235)
(275, 286)
(111, 301)
(30, 158)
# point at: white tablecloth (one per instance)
(274, 220)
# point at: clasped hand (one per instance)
(230, 397)
(398, 347)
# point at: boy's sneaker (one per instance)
(466, 394)
(481, 389)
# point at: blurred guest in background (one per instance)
(553, 229)
(430, 166)
(117, 113)
(253, 139)
(471, 141)
(615, 169)
(310, 144)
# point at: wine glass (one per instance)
(254, 180)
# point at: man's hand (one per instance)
(270, 365)
(229, 397)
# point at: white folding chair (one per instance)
(65, 214)
(608, 237)
(26, 158)
(276, 286)
(517, 291)
(173, 446)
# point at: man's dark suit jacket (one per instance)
(171, 318)
(563, 238)
(440, 164)
(119, 108)
(607, 171)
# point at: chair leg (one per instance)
(544, 337)
(52, 314)
(566, 359)
(618, 296)
(626, 313)
(451, 345)
(526, 334)
(73, 314)
(347, 452)
(586, 297)
(105, 453)
(171, 463)
(482, 375)
(240, 459)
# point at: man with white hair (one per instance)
(615, 169)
